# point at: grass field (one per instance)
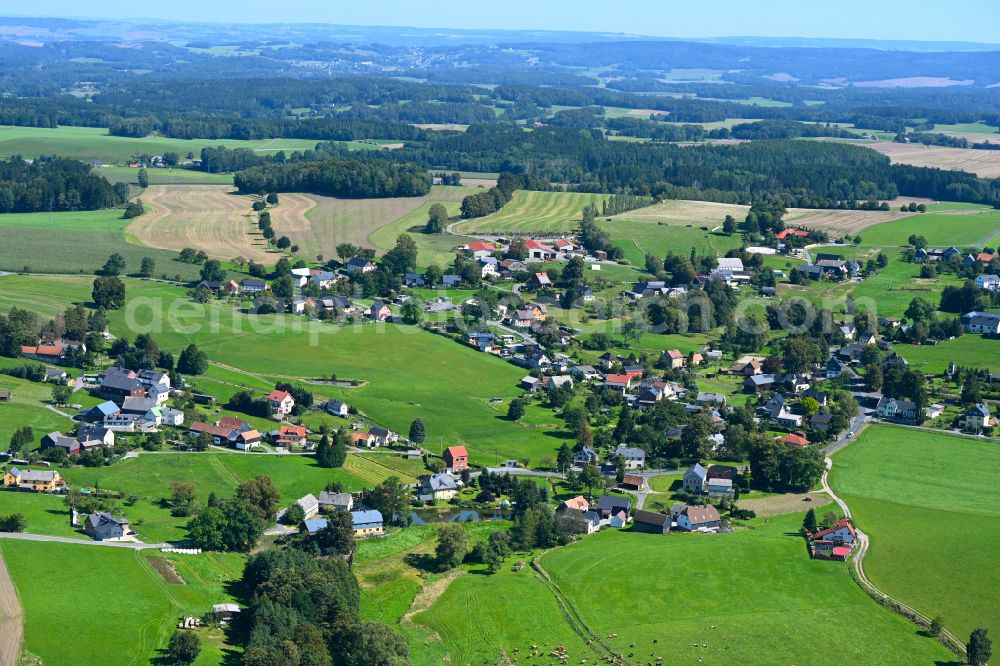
(944, 225)
(135, 600)
(774, 607)
(967, 351)
(449, 389)
(94, 143)
(983, 163)
(530, 212)
(330, 221)
(638, 238)
(213, 218)
(930, 505)
(77, 242)
(124, 174)
(431, 248)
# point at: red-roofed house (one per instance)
(247, 440)
(564, 245)
(578, 503)
(456, 458)
(54, 353)
(676, 358)
(841, 533)
(281, 403)
(619, 382)
(363, 439)
(840, 552)
(795, 439)
(479, 246)
(538, 250)
(289, 435)
(785, 233)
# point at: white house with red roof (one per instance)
(280, 402)
(842, 533)
(539, 251)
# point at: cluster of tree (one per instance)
(236, 523)
(333, 452)
(964, 299)
(54, 184)
(776, 467)
(594, 239)
(622, 203)
(337, 128)
(304, 610)
(346, 178)
(14, 522)
(453, 178)
(786, 129)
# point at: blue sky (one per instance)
(956, 20)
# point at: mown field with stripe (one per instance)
(535, 212)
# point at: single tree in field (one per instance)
(452, 546)
(108, 293)
(937, 625)
(147, 267)
(115, 265)
(979, 648)
(142, 178)
(184, 647)
(418, 433)
(437, 219)
(516, 409)
(809, 522)
(729, 225)
(590, 477)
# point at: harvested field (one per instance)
(840, 222)
(165, 568)
(983, 163)
(534, 212)
(328, 222)
(213, 219)
(677, 211)
(11, 625)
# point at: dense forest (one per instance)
(347, 178)
(54, 184)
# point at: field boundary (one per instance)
(11, 619)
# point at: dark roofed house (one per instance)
(608, 505)
(650, 522)
(757, 383)
(105, 527)
(118, 383)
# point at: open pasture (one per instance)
(967, 351)
(77, 242)
(94, 143)
(214, 219)
(124, 174)
(535, 212)
(840, 222)
(431, 248)
(637, 238)
(930, 505)
(943, 225)
(983, 163)
(772, 608)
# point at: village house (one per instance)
(894, 408)
(585, 456)
(54, 352)
(576, 521)
(379, 311)
(105, 527)
(988, 282)
(336, 501)
(977, 418)
(795, 440)
(280, 403)
(633, 482)
(699, 518)
(440, 486)
(539, 251)
(983, 323)
(367, 523)
(456, 458)
(619, 382)
(39, 481)
(651, 522)
(608, 505)
(578, 503)
(695, 479)
(758, 383)
(338, 408)
(288, 436)
(119, 383)
(310, 506)
(633, 457)
(314, 526)
(157, 384)
(383, 436)
(359, 265)
(674, 358)
(253, 285)
(225, 612)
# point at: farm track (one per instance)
(11, 619)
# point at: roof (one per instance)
(651, 518)
(699, 470)
(457, 452)
(795, 440)
(314, 525)
(292, 431)
(674, 353)
(841, 551)
(476, 246)
(211, 429)
(632, 480)
(338, 499)
(278, 396)
(578, 502)
(366, 518)
(701, 513)
(719, 482)
(840, 524)
(610, 502)
(441, 481)
(618, 379)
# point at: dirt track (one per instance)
(214, 219)
(11, 624)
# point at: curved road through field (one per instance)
(11, 619)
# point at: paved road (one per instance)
(521, 334)
(83, 542)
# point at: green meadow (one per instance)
(535, 212)
(752, 596)
(968, 350)
(930, 505)
(94, 143)
(945, 224)
(431, 248)
(77, 242)
(118, 589)
(641, 237)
